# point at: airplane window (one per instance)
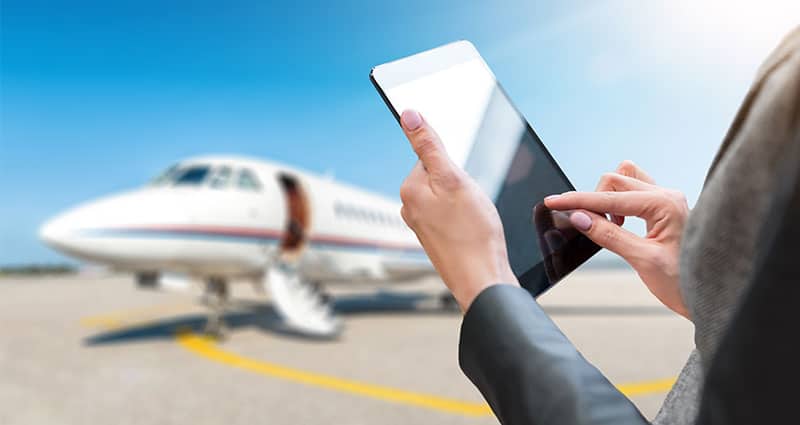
(343, 210)
(221, 178)
(191, 176)
(248, 180)
(165, 177)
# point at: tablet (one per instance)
(459, 96)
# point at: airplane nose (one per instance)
(86, 231)
(55, 232)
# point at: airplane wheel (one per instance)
(217, 331)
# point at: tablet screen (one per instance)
(483, 132)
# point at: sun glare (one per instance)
(752, 26)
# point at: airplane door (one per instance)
(298, 218)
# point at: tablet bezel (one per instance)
(392, 74)
(409, 68)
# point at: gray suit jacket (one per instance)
(737, 268)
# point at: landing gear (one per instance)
(217, 296)
(147, 280)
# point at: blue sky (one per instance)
(98, 97)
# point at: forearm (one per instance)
(527, 369)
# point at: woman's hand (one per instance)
(456, 223)
(631, 192)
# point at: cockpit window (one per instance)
(248, 180)
(191, 176)
(221, 177)
(165, 177)
(216, 177)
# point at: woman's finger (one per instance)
(610, 236)
(628, 168)
(428, 146)
(615, 182)
(634, 203)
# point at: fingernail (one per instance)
(551, 197)
(581, 221)
(411, 119)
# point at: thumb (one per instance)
(609, 235)
(426, 143)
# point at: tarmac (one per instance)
(94, 349)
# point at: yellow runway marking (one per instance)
(207, 348)
(644, 388)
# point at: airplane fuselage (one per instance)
(231, 217)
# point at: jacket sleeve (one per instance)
(527, 369)
(755, 370)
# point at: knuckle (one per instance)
(407, 192)
(607, 236)
(603, 180)
(408, 216)
(675, 201)
(607, 180)
(666, 202)
(627, 167)
(425, 143)
(678, 196)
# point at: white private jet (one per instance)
(215, 219)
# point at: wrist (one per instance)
(466, 291)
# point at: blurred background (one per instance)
(100, 97)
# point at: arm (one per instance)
(527, 369)
(753, 375)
